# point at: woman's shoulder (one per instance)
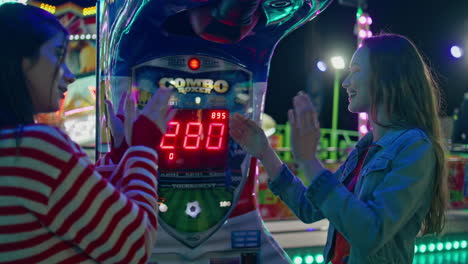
(38, 136)
(44, 129)
(411, 138)
(396, 140)
(414, 135)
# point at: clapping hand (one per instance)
(116, 121)
(157, 110)
(305, 128)
(248, 135)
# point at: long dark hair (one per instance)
(402, 82)
(25, 29)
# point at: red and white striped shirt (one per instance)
(56, 207)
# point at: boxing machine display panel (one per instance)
(215, 54)
(200, 175)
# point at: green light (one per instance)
(440, 246)
(431, 247)
(448, 245)
(297, 260)
(422, 248)
(12, 1)
(415, 249)
(309, 259)
(280, 14)
(456, 244)
(319, 258)
(463, 244)
(359, 13)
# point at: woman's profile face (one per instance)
(358, 81)
(47, 78)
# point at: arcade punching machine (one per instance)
(216, 55)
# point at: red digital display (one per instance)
(195, 139)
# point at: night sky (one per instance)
(433, 25)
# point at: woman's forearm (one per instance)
(271, 162)
(311, 168)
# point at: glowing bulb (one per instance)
(422, 248)
(322, 66)
(363, 129)
(463, 244)
(362, 20)
(362, 33)
(163, 208)
(194, 64)
(297, 260)
(456, 51)
(338, 62)
(363, 116)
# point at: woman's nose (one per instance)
(346, 83)
(68, 76)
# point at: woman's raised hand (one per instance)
(248, 135)
(116, 121)
(305, 128)
(140, 127)
(158, 110)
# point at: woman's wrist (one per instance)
(145, 133)
(311, 167)
(271, 162)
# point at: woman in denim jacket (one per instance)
(393, 184)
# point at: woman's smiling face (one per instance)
(358, 81)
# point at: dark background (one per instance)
(433, 25)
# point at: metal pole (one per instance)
(334, 132)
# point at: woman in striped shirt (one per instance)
(55, 207)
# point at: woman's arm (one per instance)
(281, 180)
(393, 202)
(108, 224)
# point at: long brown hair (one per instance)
(26, 29)
(403, 84)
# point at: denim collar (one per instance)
(387, 139)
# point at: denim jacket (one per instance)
(383, 216)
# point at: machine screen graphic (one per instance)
(195, 139)
(200, 174)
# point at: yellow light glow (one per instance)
(89, 11)
(48, 8)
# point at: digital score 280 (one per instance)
(196, 131)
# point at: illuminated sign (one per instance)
(195, 139)
(189, 85)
